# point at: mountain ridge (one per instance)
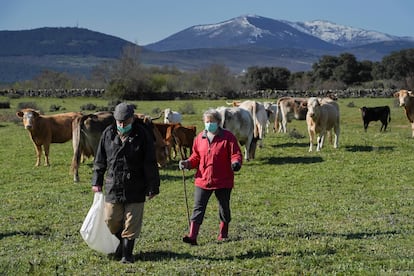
(238, 43)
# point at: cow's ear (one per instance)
(410, 93)
(396, 94)
(19, 114)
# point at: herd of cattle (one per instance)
(249, 121)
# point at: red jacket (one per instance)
(213, 160)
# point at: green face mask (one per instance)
(125, 129)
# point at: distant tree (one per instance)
(400, 66)
(347, 69)
(262, 78)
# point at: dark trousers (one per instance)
(201, 197)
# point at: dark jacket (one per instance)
(130, 166)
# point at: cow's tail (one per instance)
(276, 125)
(389, 115)
(257, 133)
(76, 134)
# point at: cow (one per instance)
(87, 131)
(322, 116)
(184, 138)
(406, 100)
(259, 115)
(166, 131)
(47, 129)
(271, 109)
(287, 109)
(378, 113)
(240, 123)
(171, 117)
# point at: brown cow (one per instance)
(287, 109)
(166, 134)
(87, 131)
(406, 100)
(184, 137)
(47, 129)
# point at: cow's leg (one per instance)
(46, 150)
(336, 141)
(311, 137)
(38, 154)
(412, 127)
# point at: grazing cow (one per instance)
(322, 116)
(240, 123)
(87, 131)
(406, 100)
(379, 113)
(287, 109)
(259, 115)
(45, 130)
(184, 138)
(271, 109)
(171, 117)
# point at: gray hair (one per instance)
(213, 113)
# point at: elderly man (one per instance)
(126, 154)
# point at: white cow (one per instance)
(322, 116)
(240, 123)
(289, 108)
(271, 109)
(259, 115)
(172, 117)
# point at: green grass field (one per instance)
(346, 211)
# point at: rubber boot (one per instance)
(191, 238)
(127, 248)
(118, 251)
(224, 231)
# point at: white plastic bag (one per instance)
(94, 230)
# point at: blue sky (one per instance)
(147, 21)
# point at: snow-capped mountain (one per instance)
(249, 30)
(341, 35)
(257, 31)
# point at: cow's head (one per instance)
(403, 96)
(313, 105)
(29, 117)
(363, 111)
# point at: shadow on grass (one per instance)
(359, 148)
(290, 144)
(167, 255)
(348, 236)
(35, 233)
(291, 160)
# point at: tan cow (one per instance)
(289, 108)
(47, 129)
(322, 116)
(406, 99)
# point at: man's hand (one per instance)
(96, 189)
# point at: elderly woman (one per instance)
(216, 156)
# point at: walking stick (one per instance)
(186, 201)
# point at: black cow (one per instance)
(381, 113)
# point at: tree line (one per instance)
(128, 78)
